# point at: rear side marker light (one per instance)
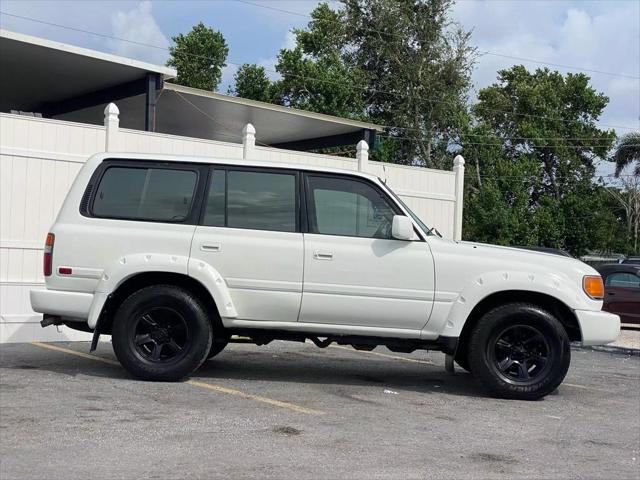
(47, 259)
(593, 286)
(64, 271)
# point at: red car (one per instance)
(622, 290)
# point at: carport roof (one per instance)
(36, 71)
(275, 124)
(72, 83)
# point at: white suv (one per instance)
(175, 257)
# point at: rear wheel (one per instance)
(519, 351)
(161, 332)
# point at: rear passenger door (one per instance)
(250, 233)
(355, 273)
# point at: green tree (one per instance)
(403, 63)
(627, 151)
(199, 57)
(550, 117)
(315, 74)
(418, 65)
(251, 81)
(531, 154)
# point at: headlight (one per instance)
(593, 286)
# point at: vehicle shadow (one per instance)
(338, 368)
(307, 365)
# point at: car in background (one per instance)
(631, 261)
(622, 290)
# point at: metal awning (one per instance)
(71, 83)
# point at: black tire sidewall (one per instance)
(217, 347)
(185, 303)
(519, 314)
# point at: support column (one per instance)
(152, 85)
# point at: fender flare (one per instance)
(486, 284)
(130, 265)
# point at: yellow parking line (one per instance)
(208, 386)
(395, 357)
(257, 398)
(73, 352)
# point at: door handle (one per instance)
(322, 255)
(210, 247)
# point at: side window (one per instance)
(341, 206)
(253, 200)
(622, 279)
(139, 193)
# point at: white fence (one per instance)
(39, 158)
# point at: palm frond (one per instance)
(627, 151)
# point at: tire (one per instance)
(217, 346)
(519, 351)
(161, 333)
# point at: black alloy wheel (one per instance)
(519, 350)
(519, 353)
(161, 334)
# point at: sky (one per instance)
(588, 34)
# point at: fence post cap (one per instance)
(458, 161)
(362, 145)
(111, 110)
(249, 129)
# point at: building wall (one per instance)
(39, 158)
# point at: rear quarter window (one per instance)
(140, 193)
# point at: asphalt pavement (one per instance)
(290, 410)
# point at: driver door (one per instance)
(355, 273)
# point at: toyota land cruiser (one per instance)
(176, 257)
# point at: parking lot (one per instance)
(295, 411)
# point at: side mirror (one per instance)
(402, 228)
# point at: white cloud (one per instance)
(138, 25)
(590, 35)
(289, 41)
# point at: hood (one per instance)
(497, 256)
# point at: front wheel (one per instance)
(161, 332)
(217, 346)
(519, 351)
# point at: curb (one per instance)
(633, 352)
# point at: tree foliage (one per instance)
(627, 152)
(418, 64)
(251, 81)
(550, 117)
(199, 57)
(532, 183)
(402, 63)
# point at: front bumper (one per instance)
(73, 305)
(598, 328)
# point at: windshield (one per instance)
(415, 217)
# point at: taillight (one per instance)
(48, 255)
